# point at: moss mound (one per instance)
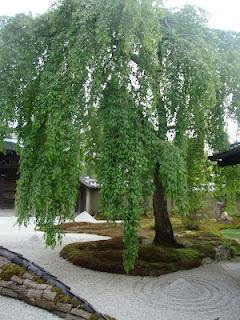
(106, 256)
(153, 260)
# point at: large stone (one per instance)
(80, 313)
(64, 307)
(9, 293)
(17, 279)
(49, 295)
(34, 294)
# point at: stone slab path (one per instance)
(211, 292)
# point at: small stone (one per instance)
(60, 314)
(3, 261)
(34, 294)
(64, 307)
(28, 300)
(9, 293)
(49, 295)
(72, 317)
(42, 286)
(81, 313)
(30, 284)
(45, 304)
(14, 286)
(207, 260)
(17, 279)
(20, 289)
(28, 276)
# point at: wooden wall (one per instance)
(8, 178)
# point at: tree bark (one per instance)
(163, 227)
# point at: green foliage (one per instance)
(121, 164)
(116, 86)
(173, 173)
(227, 181)
(197, 181)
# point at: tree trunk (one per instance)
(163, 226)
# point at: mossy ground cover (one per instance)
(231, 234)
(10, 270)
(153, 260)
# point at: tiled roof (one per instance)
(229, 157)
(10, 144)
(89, 183)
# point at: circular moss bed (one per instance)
(106, 256)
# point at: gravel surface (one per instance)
(211, 292)
(11, 309)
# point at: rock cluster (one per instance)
(220, 214)
(39, 288)
(222, 253)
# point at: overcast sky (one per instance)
(222, 15)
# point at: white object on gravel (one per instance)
(85, 217)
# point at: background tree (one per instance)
(198, 179)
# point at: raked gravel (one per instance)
(11, 309)
(207, 293)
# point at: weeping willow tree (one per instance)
(122, 85)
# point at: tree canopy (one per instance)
(125, 85)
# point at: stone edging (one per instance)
(43, 294)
